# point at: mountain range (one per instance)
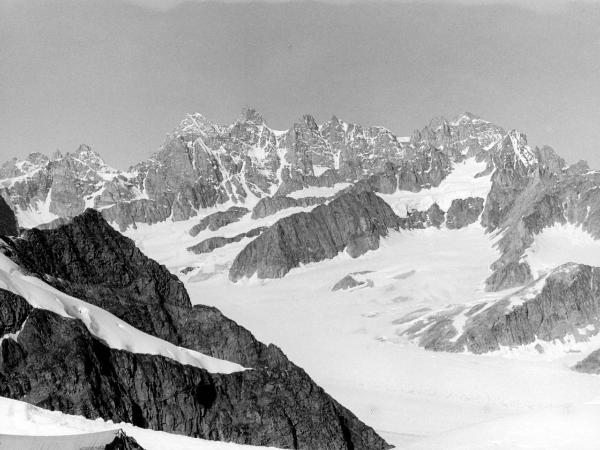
(96, 263)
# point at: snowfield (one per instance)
(20, 418)
(462, 182)
(561, 244)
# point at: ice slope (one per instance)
(24, 419)
(37, 214)
(113, 331)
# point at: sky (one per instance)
(120, 74)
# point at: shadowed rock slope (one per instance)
(219, 219)
(8, 221)
(210, 244)
(55, 363)
(353, 221)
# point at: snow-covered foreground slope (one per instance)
(113, 331)
(20, 418)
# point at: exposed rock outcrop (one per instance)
(463, 212)
(268, 206)
(353, 221)
(350, 281)
(589, 364)
(123, 442)
(219, 219)
(432, 217)
(210, 244)
(558, 305)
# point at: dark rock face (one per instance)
(275, 403)
(420, 168)
(219, 219)
(463, 212)
(210, 244)
(349, 282)
(432, 217)
(8, 221)
(14, 309)
(590, 364)
(90, 260)
(57, 364)
(267, 206)
(567, 301)
(353, 221)
(123, 442)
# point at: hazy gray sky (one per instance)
(119, 76)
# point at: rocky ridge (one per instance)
(275, 403)
(353, 222)
(562, 304)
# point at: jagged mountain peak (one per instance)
(193, 126)
(309, 121)
(518, 141)
(86, 155)
(467, 117)
(251, 115)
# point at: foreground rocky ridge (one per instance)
(275, 403)
(55, 363)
